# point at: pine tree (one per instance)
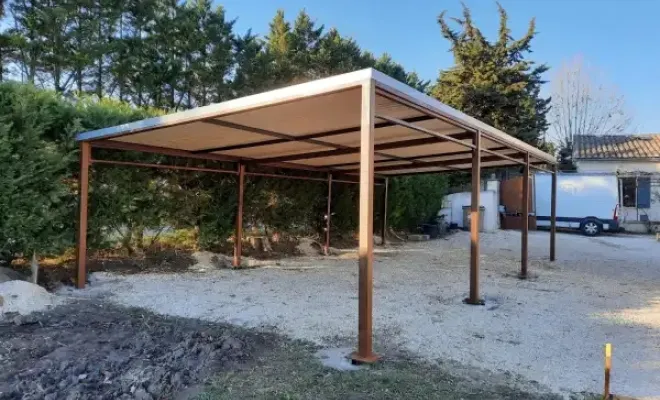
(278, 48)
(494, 82)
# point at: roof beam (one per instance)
(293, 138)
(443, 163)
(118, 145)
(316, 135)
(422, 158)
(377, 149)
(425, 131)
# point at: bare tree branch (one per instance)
(583, 103)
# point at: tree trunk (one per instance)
(34, 266)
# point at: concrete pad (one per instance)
(337, 358)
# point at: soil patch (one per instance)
(53, 276)
(87, 350)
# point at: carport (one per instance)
(361, 127)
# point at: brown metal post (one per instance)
(474, 222)
(364, 353)
(553, 215)
(525, 220)
(83, 193)
(238, 239)
(383, 217)
(328, 215)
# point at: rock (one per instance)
(11, 274)
(306, 247)
(155, 388)
(141, 394)
(24, 297)
(207, 260)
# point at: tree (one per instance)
(35, 203)
(494, 81)
(585, 104)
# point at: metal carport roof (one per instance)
(316, 125)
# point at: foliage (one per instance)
(415, 199)
(494, 81)
(35, 202)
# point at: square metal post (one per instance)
(553, 215)
(83, 193)
(525, 220)
(474, 298)
(364, 353)
(238, 238)
(328, 215)
(383, 216)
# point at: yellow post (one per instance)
(608, 367)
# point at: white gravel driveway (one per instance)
(550, 329)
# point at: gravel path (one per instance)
(549, 329)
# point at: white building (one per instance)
(635, 159)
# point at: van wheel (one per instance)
(591, 227)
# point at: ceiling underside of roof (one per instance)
(323, 132)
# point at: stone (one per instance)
(141, 394)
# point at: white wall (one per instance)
(615, 166)
(629, 168)
(453, 208)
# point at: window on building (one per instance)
(636, 192)
(629, 192)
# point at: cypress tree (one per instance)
(494, 81)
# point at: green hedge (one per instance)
(39, 186)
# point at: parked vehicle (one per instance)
(588, 202)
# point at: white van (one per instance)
(588, 202)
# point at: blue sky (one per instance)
(620, 37)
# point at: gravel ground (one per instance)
(549, 329)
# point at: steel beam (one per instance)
(553, 215)
(328, 216)
(238, 239)
(364, 353)
(525, 221)
(83, 194)
(383, 215)
(474, 298)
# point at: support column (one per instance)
(364, 353)
(525, 220)
(328, 215)
(83, 193)
(238, 237)
(474, 298)
(383, 215)
(553, 214)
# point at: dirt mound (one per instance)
(90, 351)
(24, 298)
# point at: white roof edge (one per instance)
(300, 91)
(427, 101)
